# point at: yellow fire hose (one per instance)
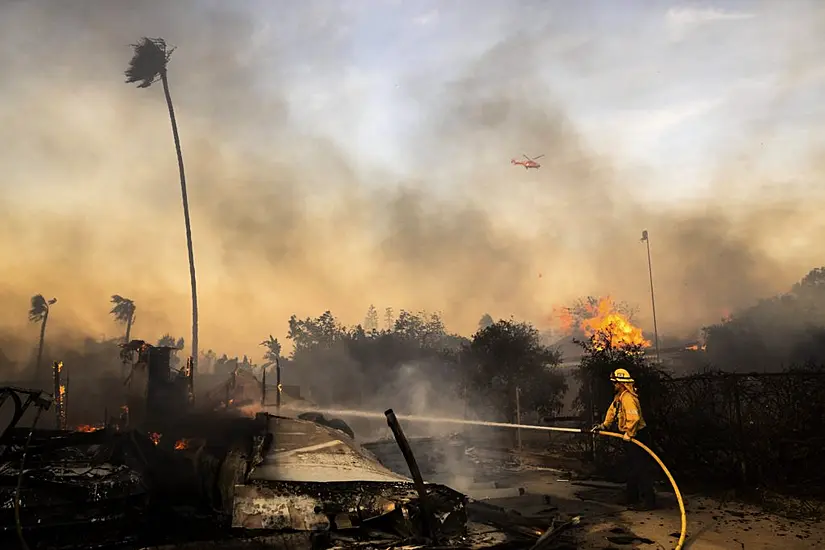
(683, 533)
(661, 464)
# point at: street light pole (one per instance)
(646, 239)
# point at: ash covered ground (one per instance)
(549, 484)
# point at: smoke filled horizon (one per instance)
(290, 218)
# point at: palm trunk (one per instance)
(40, 345)
(124, 367)
(185, 200)
(128, 329)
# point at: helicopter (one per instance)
(529, 163)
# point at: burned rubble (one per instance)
(167, 473)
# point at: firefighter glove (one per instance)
(596, 428)
(626, 437)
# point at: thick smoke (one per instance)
(288, 220)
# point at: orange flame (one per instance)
(155, 437)
(604, 320)
(181, 444)
(696, 347)
(88, 428)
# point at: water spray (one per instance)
(514, 426)
(432, 419)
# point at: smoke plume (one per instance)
(289, 219)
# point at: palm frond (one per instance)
(273, 348)
(38, 308)
(124, 308)
(167, 340)
(148, 61)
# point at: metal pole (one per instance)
(278, 384)
(592, 414)
(415, 472)
(64, 403)
(652, 295)
(466, 379)
(190, 381)
(263, 386)
(58, 394)
(518, 418)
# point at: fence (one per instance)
(758, 430)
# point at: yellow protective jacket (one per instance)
(626, 407)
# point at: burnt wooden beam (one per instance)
(415, 472)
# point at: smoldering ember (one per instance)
(407, 435)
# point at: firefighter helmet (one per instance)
(621, 376)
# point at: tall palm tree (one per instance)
(272, 357)
(39, 313)
(147, 66)
(124, 313)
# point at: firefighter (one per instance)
(628, 412)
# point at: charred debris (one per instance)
(168, 474)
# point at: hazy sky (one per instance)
(664, 87)
(342, 153)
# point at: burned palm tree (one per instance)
(124, 313)
(272, 357)
(148, 65)
(39, 313)
(273, 349)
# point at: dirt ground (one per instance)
(605, 524)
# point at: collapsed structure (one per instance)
(169, 473)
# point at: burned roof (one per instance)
(306, 451)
